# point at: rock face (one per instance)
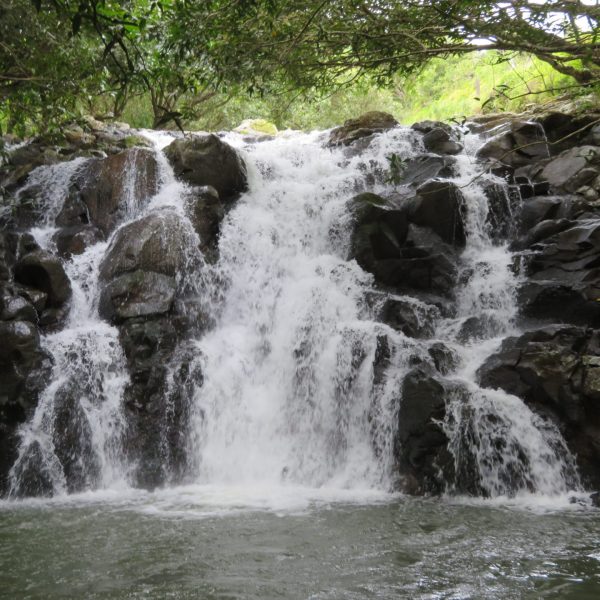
(205, 160)
(556, 371)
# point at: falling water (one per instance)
(287, 386)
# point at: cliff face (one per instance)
(420, 238)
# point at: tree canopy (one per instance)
(57, 54)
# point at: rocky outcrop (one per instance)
(206, 160)
(364, 126)
(556, 371)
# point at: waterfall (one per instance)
(286, 387)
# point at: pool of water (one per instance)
(227, 543)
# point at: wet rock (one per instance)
(76, 240)
(445, 359)
(205, 160)
(44, 272)
(107, 186)
(440, 141)
(72, 440)
(206, 212)
(515, 144)
(556, 371)
(24, 370)
(421, 169)
(479, 327)
(503, 204)
(364, 126)
(439, 206)
(422, 457)
(16, 308)
(137, 293)
(34, 477)
(154, 243)
(543, 208)
(411, 317)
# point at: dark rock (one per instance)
(411, 317)
(439, 206)
(427, 126)
(440, 141)
(16, 308)
(422, 457)
(206, 212)
(572, 168)
(556, 371)
(76, 240)
(106, 186)
(33, 475)
(445, 359)
(421, 169)
(364, 126)
(137, 293)
(152, 243)
(519, 143)
(205, 160)
(24, 370)
(43, 271)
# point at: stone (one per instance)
(135, 294)
(154, 243)
(439, 141)
(361, 127)
(516, 144)
(206, 212)
(412, 317)
(43, 271)
(556, 371)
(76, 240)
(112, 186)
(572, 168)
(206, 160)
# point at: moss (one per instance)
(135, 140)
(258, 126)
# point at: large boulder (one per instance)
(154, 243)
(556, 371)
(572, 169)
(106, 190)
(516, 143)
(361, 127)
(202, 160)
(206, 212)
(136, 294)
(44, 272)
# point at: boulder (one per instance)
(556, 371)
(135, 294)
(154, 243)
(206, 212)
(572, 169)
(24, 371)
(440, 141)
(515, 144)
(44, 272)
(206, 160)
(412, 317)
(421, 169)
(364, 126)
(70, 241)
(421, 446)
(111, 188)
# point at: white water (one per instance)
(288, 403)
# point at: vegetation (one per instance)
(301, 64)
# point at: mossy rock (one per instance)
(132, 141)
(254, 126)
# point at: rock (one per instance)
(24, 371)
(34, 479)
(364, 126)
(479, 327)
(205, 160)
(135, 294)
(572, 168)
(206, 212)
(16, 308)
(76, 240)
(423, 168)
(73, 443)
(111, 187)
(412, 317)
(428, 126)
(154, 243)
(556, 371)
(439, 206)
(503, 204)
(43, 271)
(422, 457)
(517, 144)
(445, 359)
(440, 141)
(543, 208)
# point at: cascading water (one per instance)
(285, 388)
